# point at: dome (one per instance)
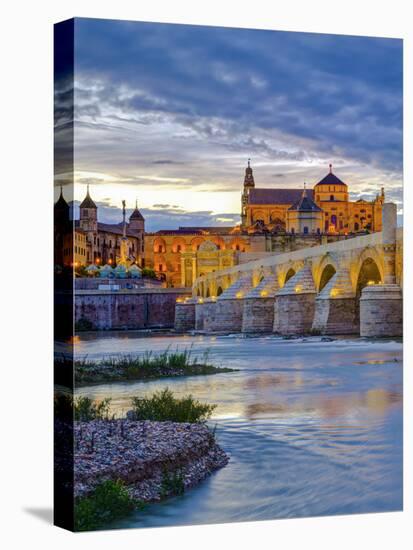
(331, 179)
(87, 201)
(106, 271)
(120, 271)
(92, 269)
(136, 215)
(305, 204)
(61, 204)
(135, 272)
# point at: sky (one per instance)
(169, 115)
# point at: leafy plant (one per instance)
(109, 501)
(172, 483)
(85, 409)
(148, 272)
(163, 406)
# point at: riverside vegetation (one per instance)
(127, 367)
(160, 449)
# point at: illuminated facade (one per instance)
(275, 209)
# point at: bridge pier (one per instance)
(230, 305)
(295, 304)
(199, 314)
(335, 307)
(381, 306)
(185, 314)
(381, 311)
(258, 310)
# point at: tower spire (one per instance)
(124, 218)
(331, 168)
(249, 178)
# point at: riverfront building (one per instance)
(272, 221)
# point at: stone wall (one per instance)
(228, 315)
(381, 311)
(258, 315)
(295, 313)
(336, 316)
(127, 309)
(185, 316)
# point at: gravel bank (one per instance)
(142, 453)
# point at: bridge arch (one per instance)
(326, 274)
(290, 273)
(369, 261)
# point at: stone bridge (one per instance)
(346, 287)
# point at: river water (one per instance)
(312, 428)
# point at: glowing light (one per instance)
(200, 300)
(299, 288)
(334, 292)
(239, 294)
(264, 293)
(371, 283)
(179, 300)
(214, 298)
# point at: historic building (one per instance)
(93, 242)
(272, 221)
(183, 254)
(332, 212)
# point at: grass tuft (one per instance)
(163, 406)
(108, 502)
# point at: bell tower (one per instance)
(248, 184)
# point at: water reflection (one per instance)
(312, 427)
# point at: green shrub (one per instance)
(86, 409)
(109, 501)
(148, 272)
(163, 406)
(172, 483)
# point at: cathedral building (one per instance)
(327, 208)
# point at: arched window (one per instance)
(305, 230)
(334, 220)
(356, 226)
(331, 197)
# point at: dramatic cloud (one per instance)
(169, 112)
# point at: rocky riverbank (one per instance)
(88, 373)
(153, 459)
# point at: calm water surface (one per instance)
(312, 428)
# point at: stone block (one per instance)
(258, 315)
(381, 311)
